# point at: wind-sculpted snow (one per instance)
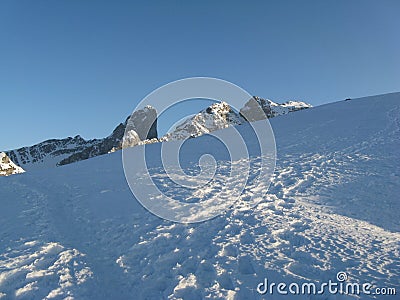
(43, 271)
(77, 231)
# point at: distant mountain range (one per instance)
(58, 152)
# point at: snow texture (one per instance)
(76, 232)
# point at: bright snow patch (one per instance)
(7, 167)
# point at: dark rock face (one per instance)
(57, 152)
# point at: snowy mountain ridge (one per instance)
(220, 115)
(58, 152)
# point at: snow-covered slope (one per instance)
(77, 232)
(56, 152)
(7, 167)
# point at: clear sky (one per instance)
(79, 67)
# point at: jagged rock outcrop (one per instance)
(7, 167)
(221, 115)
(271, 109)
(217, 116)
(144, 123)
(141, 128)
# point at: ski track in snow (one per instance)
(76, 232)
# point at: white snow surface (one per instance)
(76, 232)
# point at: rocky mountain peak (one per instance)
(141, 128)
(217, 116)
(144, 123)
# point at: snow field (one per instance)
(76, 232)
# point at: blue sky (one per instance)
(79, 67)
